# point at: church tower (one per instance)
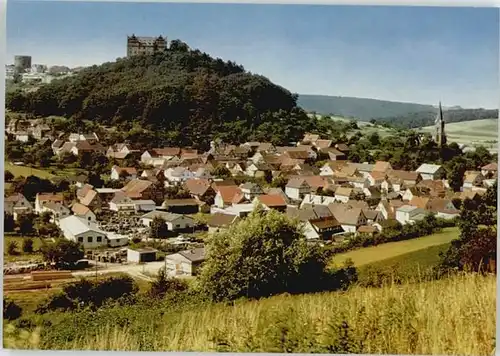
(439, 124)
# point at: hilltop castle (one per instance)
(439, 124)
(145, 45)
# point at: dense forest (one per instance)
(358, 108)
(183, 96)
(426, 118)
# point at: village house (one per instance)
(78, 229)
(220, 221)
(17, 205)
(174, 222)
(334, 154)
(322, 228)
(368, 229)
(431, 171)
(408, 214)
(358, 182)
(56, 146)
(199, 188)
(187, 262)
(253, 169)
(382, 166)
(106, 195)
(373, 216)
(22, 136)
(388, 208)
(408, 178)
(472, 179)
(142, 190)
(343, 194)
(250, 190)
(82, 147)
(435, 188)
(412, 192)
(42, 199)
(342, 147)
(363, 168)
(178, 174)
(490, 170)
(314, 199)
(57, 211)
(92, 200)
(297, 188)
(77, 137)
(157, 156)
(331, 168)
(349, 218)
(83, 212)
(122, 203)
(443, 208)
(40, 131)
(376, 178)
(181, 206)
(268, 202)
(123, 172)
(228, 195)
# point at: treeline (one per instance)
(184, 96)
(427, 118)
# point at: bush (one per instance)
(28, 245)
(163, 285)
(12, 248)
(93, 294)
(11, 311)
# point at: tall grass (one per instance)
(450, 316)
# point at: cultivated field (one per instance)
(440, 317)
(369, 255)
(26, 171)
(473, 133)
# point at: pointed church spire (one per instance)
(439, 124)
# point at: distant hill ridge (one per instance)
(361, 108)
(404, 115)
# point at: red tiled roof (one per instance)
(271, 200)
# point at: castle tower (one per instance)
(439, 124)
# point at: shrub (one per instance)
(12, 248)
(11, 311)
(28, 245)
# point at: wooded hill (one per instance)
(398, 114)
(184, 95)
(359, 108)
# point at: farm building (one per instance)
(141, 255)
(187, 262)
(85, 232)
(173, 221)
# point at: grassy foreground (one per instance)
(368, 255)
(440, 317)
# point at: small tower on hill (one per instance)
(439, 124)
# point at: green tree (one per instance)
(221, 171)
(11, 311)
(158, 228)
(12, 248)
(44, 156)
(63, 252)
(25, 223)
(8, 222)
(28, 245)
(263, 255)
(8, 176)
(163, 285)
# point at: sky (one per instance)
(410, 54)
